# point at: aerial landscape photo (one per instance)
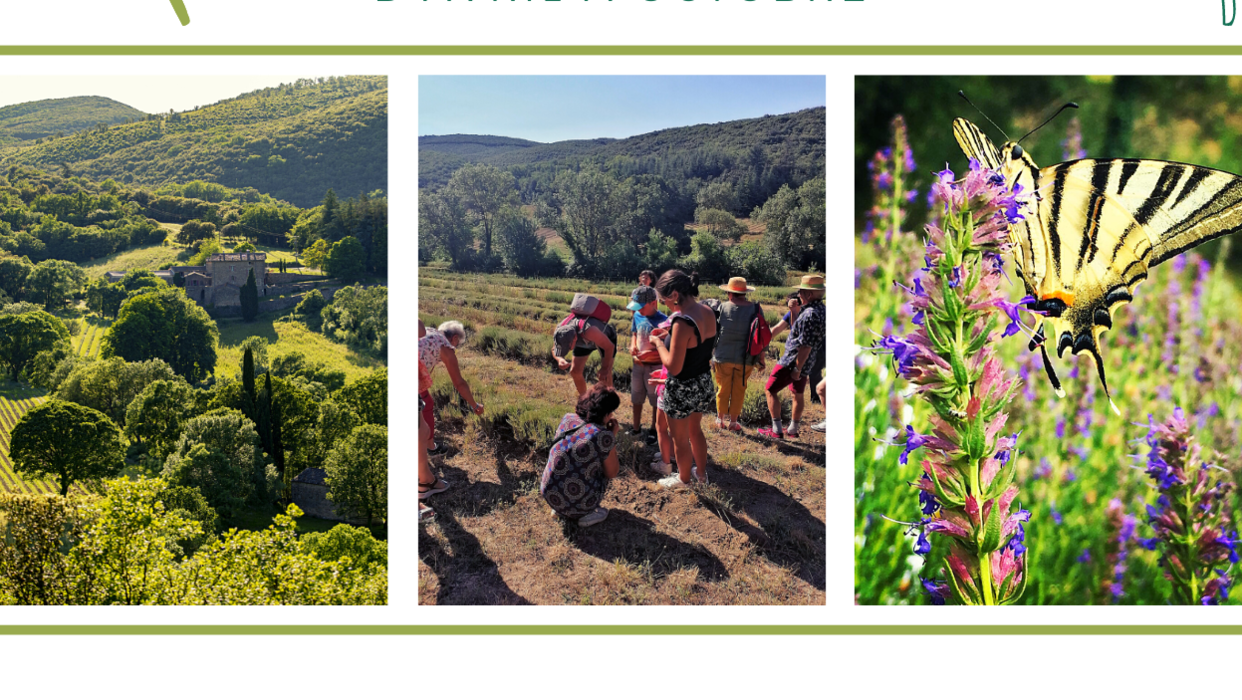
(621, 340)
(193, 340)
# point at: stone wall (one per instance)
(272, 302)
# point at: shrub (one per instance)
(755, 406)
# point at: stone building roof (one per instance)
(238, 257)
(311, 475)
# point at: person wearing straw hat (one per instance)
(731, 359)
(806, 339)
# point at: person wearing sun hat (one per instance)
(647, 318)
(731, 360)
(805, 341)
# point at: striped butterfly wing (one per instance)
(1102, 223)
(975, 144)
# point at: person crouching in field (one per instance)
(580, 335)
(731, 358)
(647, 318)
(806, 338)
(439, 347)
(582, 459)
(689, 391)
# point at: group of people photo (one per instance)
(693, 361)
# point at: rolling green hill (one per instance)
(294, 142)
(30, 121)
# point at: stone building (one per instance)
(310, 493)
(219, 280)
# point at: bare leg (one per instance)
(424, 463)
(799, 403)
(680, 427)
(822, 390)
(665, 437)
(577, 371)
(774, 405)
(638, 416)
(698, 442)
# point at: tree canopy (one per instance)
(164, 324)
(66, 442)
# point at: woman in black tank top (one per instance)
(686, 351)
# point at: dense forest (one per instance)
(614, 207)
(755, 156)
(32, 121)
(294, 142)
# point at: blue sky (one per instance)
(149, 93)
(555, 108)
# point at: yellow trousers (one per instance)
(730, 388)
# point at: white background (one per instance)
(579, 22)
(886, 665)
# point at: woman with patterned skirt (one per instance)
(582, 459)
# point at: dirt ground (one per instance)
(753, 536)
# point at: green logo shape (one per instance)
(179, 8)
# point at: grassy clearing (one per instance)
(755, 535)
(285, 337)
(151, 257)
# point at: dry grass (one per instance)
(754, 536)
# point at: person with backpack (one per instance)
(585, 330)
(647, 318)
(742, 337)
(806, 340)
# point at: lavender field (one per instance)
(1080, 505)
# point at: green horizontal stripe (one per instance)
(1003, 50)
(509, 630)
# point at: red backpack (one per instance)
(760, 334)
(586, 307)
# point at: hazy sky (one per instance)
(555, 108)
(151, 93)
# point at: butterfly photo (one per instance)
(1048, 338)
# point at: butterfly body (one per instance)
(1093, 227)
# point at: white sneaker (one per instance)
(821, 427)
(596, 516)
(661, 467)
(673, 482)
(695, 474)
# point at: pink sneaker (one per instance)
(771, 434)
(736, 427)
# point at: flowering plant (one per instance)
(967, 489)
(1191, 517)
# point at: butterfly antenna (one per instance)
(1067, 105)
(962, 94)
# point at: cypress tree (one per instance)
(250, 298)
(263, 419)
(248, 376)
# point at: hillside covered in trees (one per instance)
(294, 142)
(614, 207)
(756, 156)
(32, 121)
